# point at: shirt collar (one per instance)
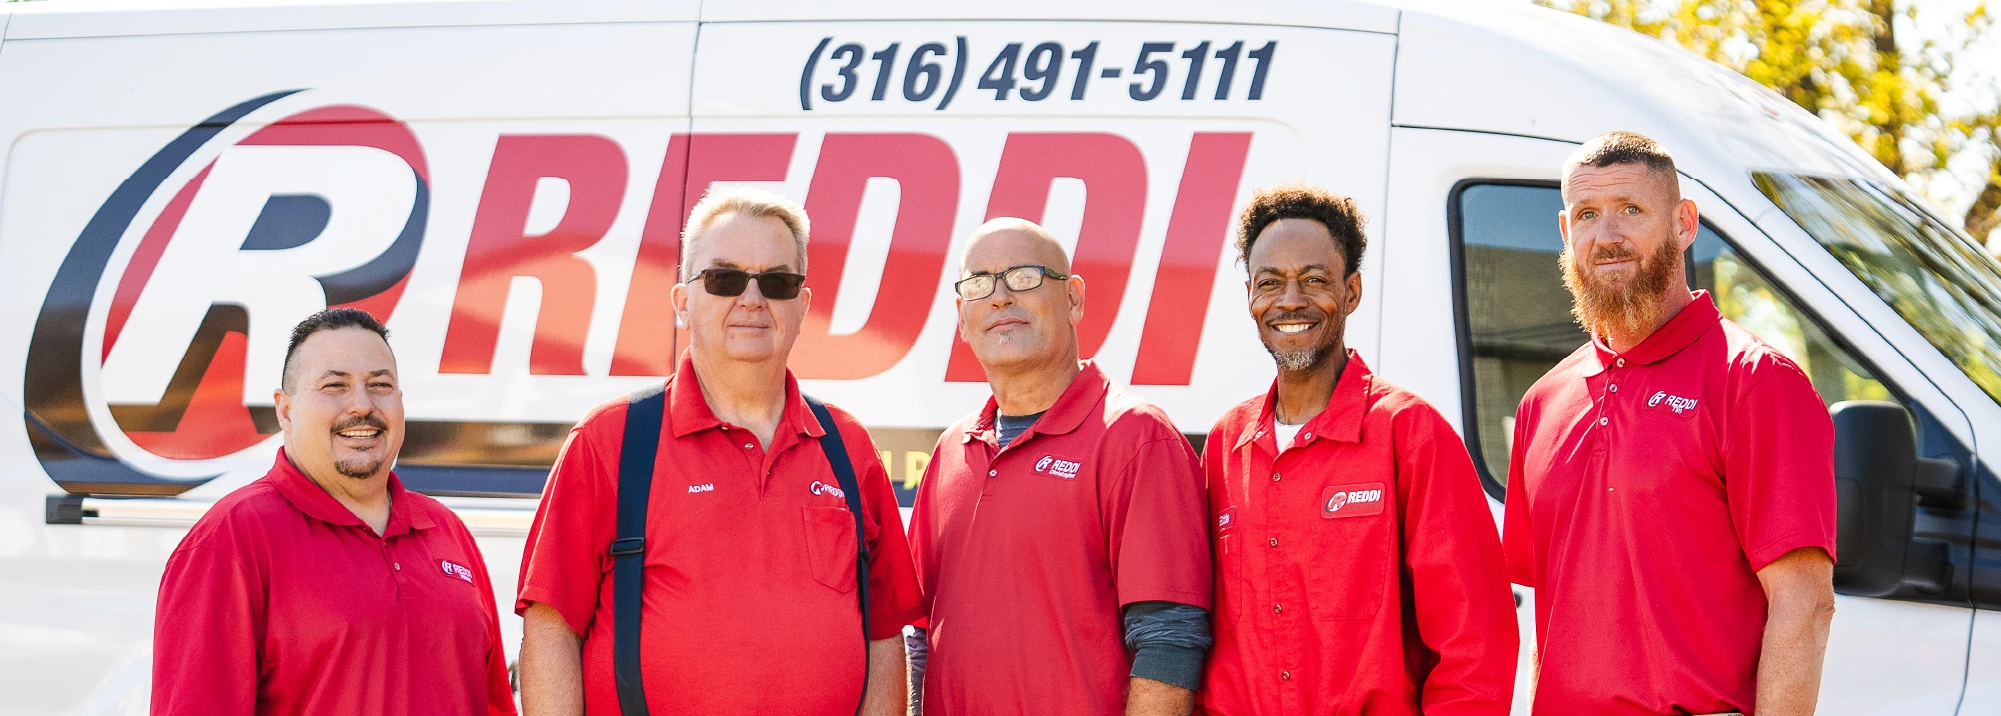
(1086, 390)
(690, 412)
(1694, 320)
(1340, 420)
(308, 497)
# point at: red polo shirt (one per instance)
(1028, 554)
(1646, 490)
(750, 602)
(1358, 571)
(281, 601)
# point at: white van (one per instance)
(504, 180)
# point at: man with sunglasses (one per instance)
(749, 586)
(1058, 531)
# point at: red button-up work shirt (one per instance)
(281, 601)
(750, 602)
(1646, 490)
(1358, 572)
(1028, 554)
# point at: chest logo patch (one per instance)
(704, 487)
(1676, 404)
(1359, 500)
(821, 488)
(1227, 520)
(1053, 465)
(453, 569)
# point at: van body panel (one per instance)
(1364, 15)
(129, 18)
(1518, 69)
(1983, 668)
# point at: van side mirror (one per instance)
(1878, 480)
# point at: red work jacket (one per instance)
(1358, 572)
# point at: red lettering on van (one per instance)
(927, 176)
(498, 250)
(647, 338)
(1114, 176)
(1195, 237)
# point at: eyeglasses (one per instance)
(1019, 278)
(775, 285)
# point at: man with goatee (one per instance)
(326, 587)
(1358, 568)
(1671, 486)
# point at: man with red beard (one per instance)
(1671, 487)
(1358, 571)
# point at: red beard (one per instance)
(1632, 308)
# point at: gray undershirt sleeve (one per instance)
(917, 649)
(1169, 642)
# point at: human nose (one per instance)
(1292, 296)
(1002, 297)
(753, 297)
(360, 401)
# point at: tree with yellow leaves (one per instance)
(1845, 61)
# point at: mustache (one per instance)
(1613, 252)
(361, 421)
(1294, 316)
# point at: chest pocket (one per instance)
(1351, 540)
(1673, 437)
(830, 547)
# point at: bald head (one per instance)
(1027, 332)
(1006, 242)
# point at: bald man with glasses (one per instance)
(1059, 531)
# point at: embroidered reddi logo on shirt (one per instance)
(820, 488)
(1227, 520)
(1359, 500)
(454, 570)
(1673, 403)
(1053, 465)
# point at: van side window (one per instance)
(1516, 321)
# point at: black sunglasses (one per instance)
(775, 285)
(1019, 278)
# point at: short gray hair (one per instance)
(749, 202)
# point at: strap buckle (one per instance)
(629, 545)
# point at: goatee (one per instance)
(1632, 308)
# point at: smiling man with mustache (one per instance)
(1671, 486)
(1058, 531)
(325, 587)
(1358, 568)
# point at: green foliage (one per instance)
(1853, 63)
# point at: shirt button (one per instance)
(746, 446)
(1308, 436)
(1615, 387)
(1603, 421)
(993, 473)
(1285, 676)
(1278, 608)
(1622, 362)
(1274, 541)
(398, 566)
(1274, 477)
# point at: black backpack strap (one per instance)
(643, 410)
(844, 471)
